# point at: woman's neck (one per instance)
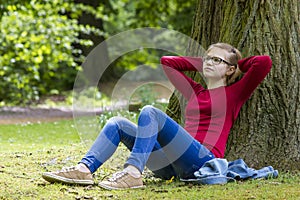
(211, 84)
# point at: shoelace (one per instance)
(67, 169)
(117, 176)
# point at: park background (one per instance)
(44, 43)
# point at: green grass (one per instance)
(27, 150)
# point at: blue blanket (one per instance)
(220, 171)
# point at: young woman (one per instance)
(160, 143)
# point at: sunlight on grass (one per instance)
(37, 135)
(29, 149)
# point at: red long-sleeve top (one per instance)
(210, 113)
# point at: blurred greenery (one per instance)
(39, 55)
(36, 51)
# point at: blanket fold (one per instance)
(220, 171)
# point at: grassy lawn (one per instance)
(28, 149)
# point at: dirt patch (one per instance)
(14, 115)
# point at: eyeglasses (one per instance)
(216, 60)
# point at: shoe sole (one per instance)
(52, 178)
(115, 188)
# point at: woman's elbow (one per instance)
(267, 61)
(165, 60)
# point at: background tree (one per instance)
(267, 131)
(45, 42)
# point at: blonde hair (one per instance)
(234, 55)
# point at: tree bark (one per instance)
(267, 131)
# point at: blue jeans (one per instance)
(157, 142)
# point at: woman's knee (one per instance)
(113, 123)
(146, 115)
(147, 110)
(121, 125)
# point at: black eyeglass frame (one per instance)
(207, 58)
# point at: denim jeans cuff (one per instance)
(88, 165)
(135, 164)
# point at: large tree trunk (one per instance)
(267, 131)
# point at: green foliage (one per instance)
(37, 40)
(122, 15)
(146, 95)
(36, 50)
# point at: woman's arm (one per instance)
(183, 63)
(255, 69)
(174, 67)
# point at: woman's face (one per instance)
(215, 65)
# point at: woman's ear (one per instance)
(232, 79)
(230, 70)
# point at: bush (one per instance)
(36, 49)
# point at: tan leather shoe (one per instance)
(69, 175)
(122, 180)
